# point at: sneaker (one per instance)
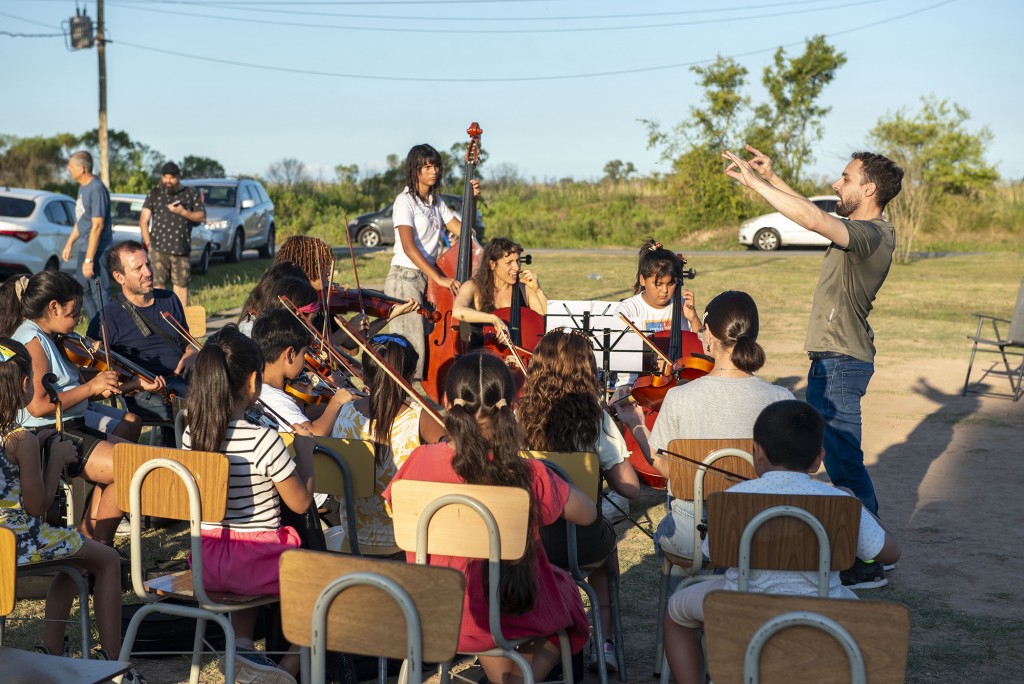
(610, 662)
(124, 527)
(614, 506)
(864, 575)
(132, 675)
(41, 648)
(254, 667)
(889, 567)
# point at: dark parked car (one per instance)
(378, 228)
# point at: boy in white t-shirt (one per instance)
(787, 448)
(283, 341)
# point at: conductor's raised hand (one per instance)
(740, 170)
(760, 162)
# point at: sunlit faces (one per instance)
(64, 317)
(657, 290)
(427, 175)
(850, 188)
(137, 277)
(506, 269)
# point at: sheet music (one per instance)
(625, 348)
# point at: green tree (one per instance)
(347, 174)
(37, 162)
(790, 122)
(133, 165)
(616, 170)
(940, 157)
(201, 167)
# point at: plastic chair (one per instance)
(333, 602)
(471, 521)
(180, 485)
(804, 640)
(693, 483)
(582, 470)
(27, 666)
(1010, 346)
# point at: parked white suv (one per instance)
(34, 226)
(239, 214)
(772, 231)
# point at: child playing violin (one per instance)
(37, 310)
(659, 272)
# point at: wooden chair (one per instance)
(334, 602)
(582, 470)
(692, 483)
(470, 521)
(195, 318)
(38, 668)
(1010, 346)
(804, 640)
(346, 468)
(180, 485)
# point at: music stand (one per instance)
(616, 348)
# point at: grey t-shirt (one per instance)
(93, 201)
(849, 281)
(713, 407)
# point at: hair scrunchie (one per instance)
(20, 285)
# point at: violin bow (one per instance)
(364, 323)
(402, 382)
(729, 475)
(103, 321)
(335, 355)
(180, 329)
(643, 337)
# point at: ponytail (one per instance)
(733, 320)
(220, 379)
(488, 440)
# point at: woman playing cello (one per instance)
(420, 216)
(496, 286)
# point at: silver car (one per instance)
(124, 215)
(34, 226)
(240, 215)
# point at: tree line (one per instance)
(944, 159)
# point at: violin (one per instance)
(87, 353)
(322, 357)
(448, 339)
(371, 302)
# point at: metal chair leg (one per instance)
(659, 644)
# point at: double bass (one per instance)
(448, 339)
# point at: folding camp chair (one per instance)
(360, 606)
(1009, 347)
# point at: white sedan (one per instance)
(34, 225)
(772, 231)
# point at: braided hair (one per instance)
(314, 256)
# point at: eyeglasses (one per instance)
(6, 354)
(384, 339)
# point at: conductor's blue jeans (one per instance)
(835, 387)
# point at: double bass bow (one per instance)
(448, 339)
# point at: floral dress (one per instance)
(36, 541)
(372, 520)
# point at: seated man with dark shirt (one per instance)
(137, 330)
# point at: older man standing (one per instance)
(840, 342)
(175, 209)
(92, 220)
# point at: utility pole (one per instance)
(101, 50)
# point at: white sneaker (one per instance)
(254, 667)
(614, 506)
(611, 664)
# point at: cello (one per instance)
(448, 339)
(525, 326)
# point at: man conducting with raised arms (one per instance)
(840, 342)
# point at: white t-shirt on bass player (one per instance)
(428, 222)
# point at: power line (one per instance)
(517, 79)
(577, 29)
(448, 19)
(31, 35)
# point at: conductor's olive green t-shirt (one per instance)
(849, 281)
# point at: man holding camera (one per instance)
(174, 210)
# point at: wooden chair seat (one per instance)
(29, 667)
(179, 585)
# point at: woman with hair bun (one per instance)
(536, 597)
(720, 405)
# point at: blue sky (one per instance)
(963, 50)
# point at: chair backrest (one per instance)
(456, 529)
(8, 571)
(363, 619)
(802, 654)
(164, 494)
(1016, 332)
(195, 318)
(681, 473)
(357, 462)
(581, 468)
(782, 543)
